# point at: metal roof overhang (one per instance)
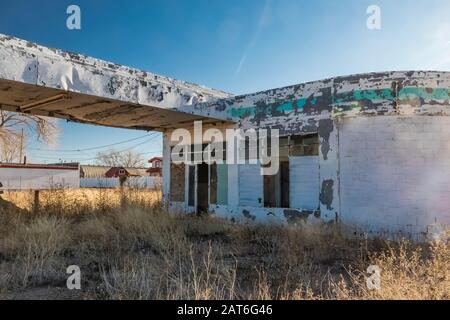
(49, 82)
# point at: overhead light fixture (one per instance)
(44, 102)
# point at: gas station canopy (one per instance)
(50, 82)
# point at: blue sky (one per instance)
(239, 46)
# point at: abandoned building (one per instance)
(370, 150)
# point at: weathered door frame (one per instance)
(195, 208)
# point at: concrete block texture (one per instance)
(393, 180)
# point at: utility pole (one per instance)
(21, 147)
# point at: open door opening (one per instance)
(202, 189)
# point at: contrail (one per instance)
(262, 22)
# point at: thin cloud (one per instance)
(263, 21)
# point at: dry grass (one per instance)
(80, 201)
(128, 247)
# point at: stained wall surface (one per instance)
(395, 172)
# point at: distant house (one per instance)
(92, 172)
(119, 172)
(112, 177)
(155, 169)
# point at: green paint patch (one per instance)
(285, 107)
(411, 93)
(269, 109)
(361, 95)
(354, 97)
(243, 112)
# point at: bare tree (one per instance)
(10, 148)
(17, 128)
(113, 158)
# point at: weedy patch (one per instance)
(128, 247)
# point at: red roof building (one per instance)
(155, 169)
(118, 172)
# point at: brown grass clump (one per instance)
(129, 247)
(408, 271)
(33, 248)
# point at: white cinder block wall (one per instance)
(395, 172)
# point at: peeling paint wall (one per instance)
(417, 101)
(299, 108)
(329, 169)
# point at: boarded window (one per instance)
(250, 185)
(177, 184)
(303, 146)
(304, 184)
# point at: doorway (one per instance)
(276, 188)
(202, 189)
